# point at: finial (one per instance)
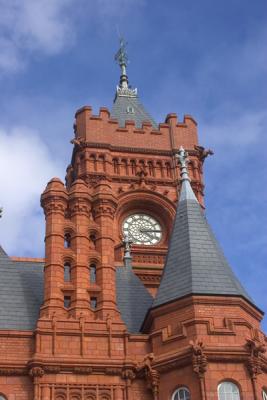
(127, 246)
(121, 57)
(182, 157)
(186, 192)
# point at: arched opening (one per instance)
(168, 170)
(92, 273)
(181, 393)
(228, 390)
(150, 168)
(67, 268)
(67, 301)
(115, 163)
(93, 303)
(67, 240)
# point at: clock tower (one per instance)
(124, 154)
(135, 299)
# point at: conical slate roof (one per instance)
(130, 108)
(133, 298)
(195, 262)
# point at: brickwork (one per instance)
(81, 349)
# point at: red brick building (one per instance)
(101, 318)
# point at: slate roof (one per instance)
(21, 292)
(195, 263)
(21, 295)
(139, 115)
(133, 298)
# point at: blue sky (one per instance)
(205, 58)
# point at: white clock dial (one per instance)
(142, 229)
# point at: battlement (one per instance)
(102, 128)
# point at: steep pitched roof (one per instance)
(21, 295)
(195, 262)
(133, 298)
(121, 107)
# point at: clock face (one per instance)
(142, 229)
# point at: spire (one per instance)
(121, 57)
(127, 250)
(186, 189)
(127, 105)
(195, 263)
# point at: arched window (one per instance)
(133, 167)
(67, 272)
(92, 273)
(228, 391)
(92, 238)
(150, 168)
(168, 169)
(264, 394)
(67, 240)
(181, 394)
(116, 169)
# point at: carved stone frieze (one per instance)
(83, 370)
(13, 371)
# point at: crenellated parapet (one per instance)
(102, 128)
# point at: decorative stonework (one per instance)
(199, 359)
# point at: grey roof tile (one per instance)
(195, 263)
(133, 298)
(21, 295)
(140, 115)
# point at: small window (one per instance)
(264, 394)
(92, 273)
(130, 110)
(67, 239)
(228, 391)
(66, 272)
(93, 302)
(67, 300)
(181, 394)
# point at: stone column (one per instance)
(54, 202)
(80, 204)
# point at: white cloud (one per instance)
(239, 129)
(26, 166)
(28, 25)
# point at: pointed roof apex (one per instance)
(195, 263)
(126, 104)
(186, 189)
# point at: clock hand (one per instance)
(149, 230)
(147, 234)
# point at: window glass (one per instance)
(93, 303)
(264, 394)
(228, 391)
(66, 273)
(67, 301)
(93, 273)
(2, 397)
(181, 394)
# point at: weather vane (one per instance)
(121, 56)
